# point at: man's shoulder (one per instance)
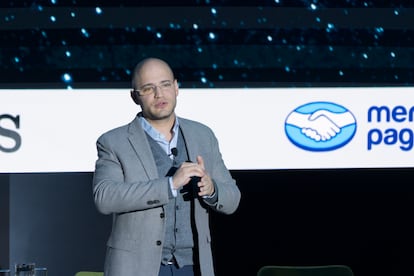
(117, 131)
(189, 123)
(196, 129)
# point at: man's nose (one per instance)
(157, 90)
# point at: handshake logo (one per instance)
(320, 126)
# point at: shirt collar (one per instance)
(158, 137)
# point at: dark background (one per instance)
(268, 43)
(358, 217)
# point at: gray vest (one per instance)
(178, 241)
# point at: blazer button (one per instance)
(220, 206)
(159, 242)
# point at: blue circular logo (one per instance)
(320, 126)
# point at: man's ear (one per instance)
(135, 97)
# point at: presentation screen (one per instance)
(258, 129)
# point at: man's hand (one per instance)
(205, 185)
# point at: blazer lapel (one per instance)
(139, 143)
(189, 139)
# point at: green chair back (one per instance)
(89, 273)
(324, 270)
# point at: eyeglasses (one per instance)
(148, 89)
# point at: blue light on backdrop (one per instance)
(58, 44)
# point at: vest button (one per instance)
(159, 242)
(162, 215)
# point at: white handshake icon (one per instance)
(321, 125)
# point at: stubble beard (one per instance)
(161, 115)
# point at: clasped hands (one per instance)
(187, 170)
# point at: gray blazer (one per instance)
(126, 184)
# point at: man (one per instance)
(160, 176)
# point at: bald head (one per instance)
(149, 67)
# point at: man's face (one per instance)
(158, 91)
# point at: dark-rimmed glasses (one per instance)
(149, 89)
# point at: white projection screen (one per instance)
(280, 128)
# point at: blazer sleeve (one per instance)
(125, 177)
(201, 140)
